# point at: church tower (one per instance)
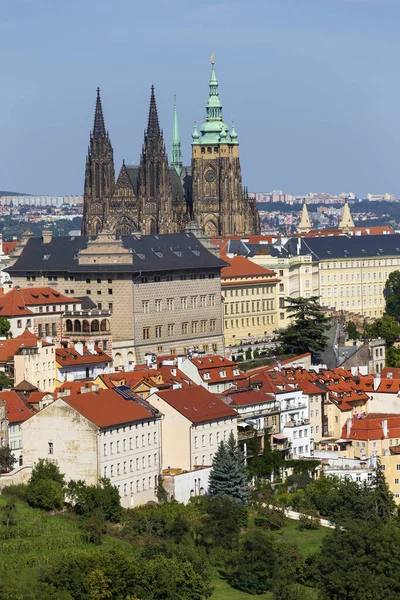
(219, 204)
(99, 175)
(346, 222)
(155, 192)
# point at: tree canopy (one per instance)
(387, 327)
(392, 295)
(306, 333)
(4, 327)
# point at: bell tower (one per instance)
(219, 203)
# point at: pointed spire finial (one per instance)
(212, 59)
(153, 127)
(176, 149)
(99, 129)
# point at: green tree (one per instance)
(5, 381)
(360, 562)
(383, 505)
(392, 295)
(88, 500)
(352, 332)
(225, 517)
(46, 494)
(9, 511)
(387, 327)
(266, 464)
(228, 475)
(7, 459)
(306, 333)
(94, 527)
(393, 357)
(47, 469)
(4, 327)
(161, 492)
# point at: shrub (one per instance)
(309, 520)
(94, 528)
(46, 494)
(18, 490)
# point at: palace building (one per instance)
(156, 197)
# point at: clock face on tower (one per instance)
(210, 175)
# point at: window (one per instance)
(203, 301)
(146, 333)
(170, 303)
(211, 298)
(212, 324)
(184, 328)
(146, 306)
(110, 307)
(19, 323)
(158, 331)
(194, 326)
(193, 301)
(105, 449)
(110, 291)
(171, 329)
(396, 481)
(397, 467)
(158, 304)
(51, 448)
(184, 302)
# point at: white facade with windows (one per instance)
(295, 422)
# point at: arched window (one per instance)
(95, 326)
(77, 325)
(131, 358)
(68, 325)
(85, 326)
(104, 325)
(118, 359)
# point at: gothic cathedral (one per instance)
(157, 198)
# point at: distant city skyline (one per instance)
(311, 86)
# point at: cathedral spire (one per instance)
(176, 150)
(346, 222)
(153, 127)
(99, 129)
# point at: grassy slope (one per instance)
(37, 538)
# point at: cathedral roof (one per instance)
(178, 193)
(173, 251)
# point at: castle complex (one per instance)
(157, 197)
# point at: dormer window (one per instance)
(236, 372)
(206, 376)
(222, 373)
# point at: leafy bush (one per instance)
(47, 469)
(87, 500)
(46, 494)
(18, 490)
(94, 528)
(309, 520)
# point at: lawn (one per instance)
(37, 537)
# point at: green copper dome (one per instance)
(195, 134)
(214, 129)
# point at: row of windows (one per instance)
(193, 327)
(354, 290)
(115, 470)
(130, 443)
(301, 432)
(182, 277)
(301, 450)
(210, 439)
(246, 291)
(203, 460)
(135, 486)
(364, 263)
(354, 277)
(47, 329)
(129, 427)
(253, 306)
(184, 303)
(268, 320)
(316, 429)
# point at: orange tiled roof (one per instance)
(67, 357)
(243, 267)
(197, 404)
(10, 347)
(393, 372)
(18, 300)
(9, 247)
(17, 410)
(371, 427)
(246, 397)
(210, 368)
(106, 408)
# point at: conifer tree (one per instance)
(228, 476)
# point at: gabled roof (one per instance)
(16, 410)
(107, 408)
(197, 404)
(10, 347)
(239, 266)
(246, 397)
(18, 300)
(371, 427)
(68, 357)
(211, 369)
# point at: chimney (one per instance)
(79, 348)
(47, 234)
(385, 428)
(349, 424)
(377, 381)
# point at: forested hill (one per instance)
(12, 194)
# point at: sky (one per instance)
(312, 85)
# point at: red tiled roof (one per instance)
(243, 267)
(389, 385)
(370, 427)
(74, 387)
(197, 404)
(18, 300)
(213, 365)
(8, 348)
(394, 372)
(67, 357)
(246, 397)
(36, 397)
(17, 411)
(9, 247)
(106, 408)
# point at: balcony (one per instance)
(293, 406)
(246, 433)
(297, 423)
